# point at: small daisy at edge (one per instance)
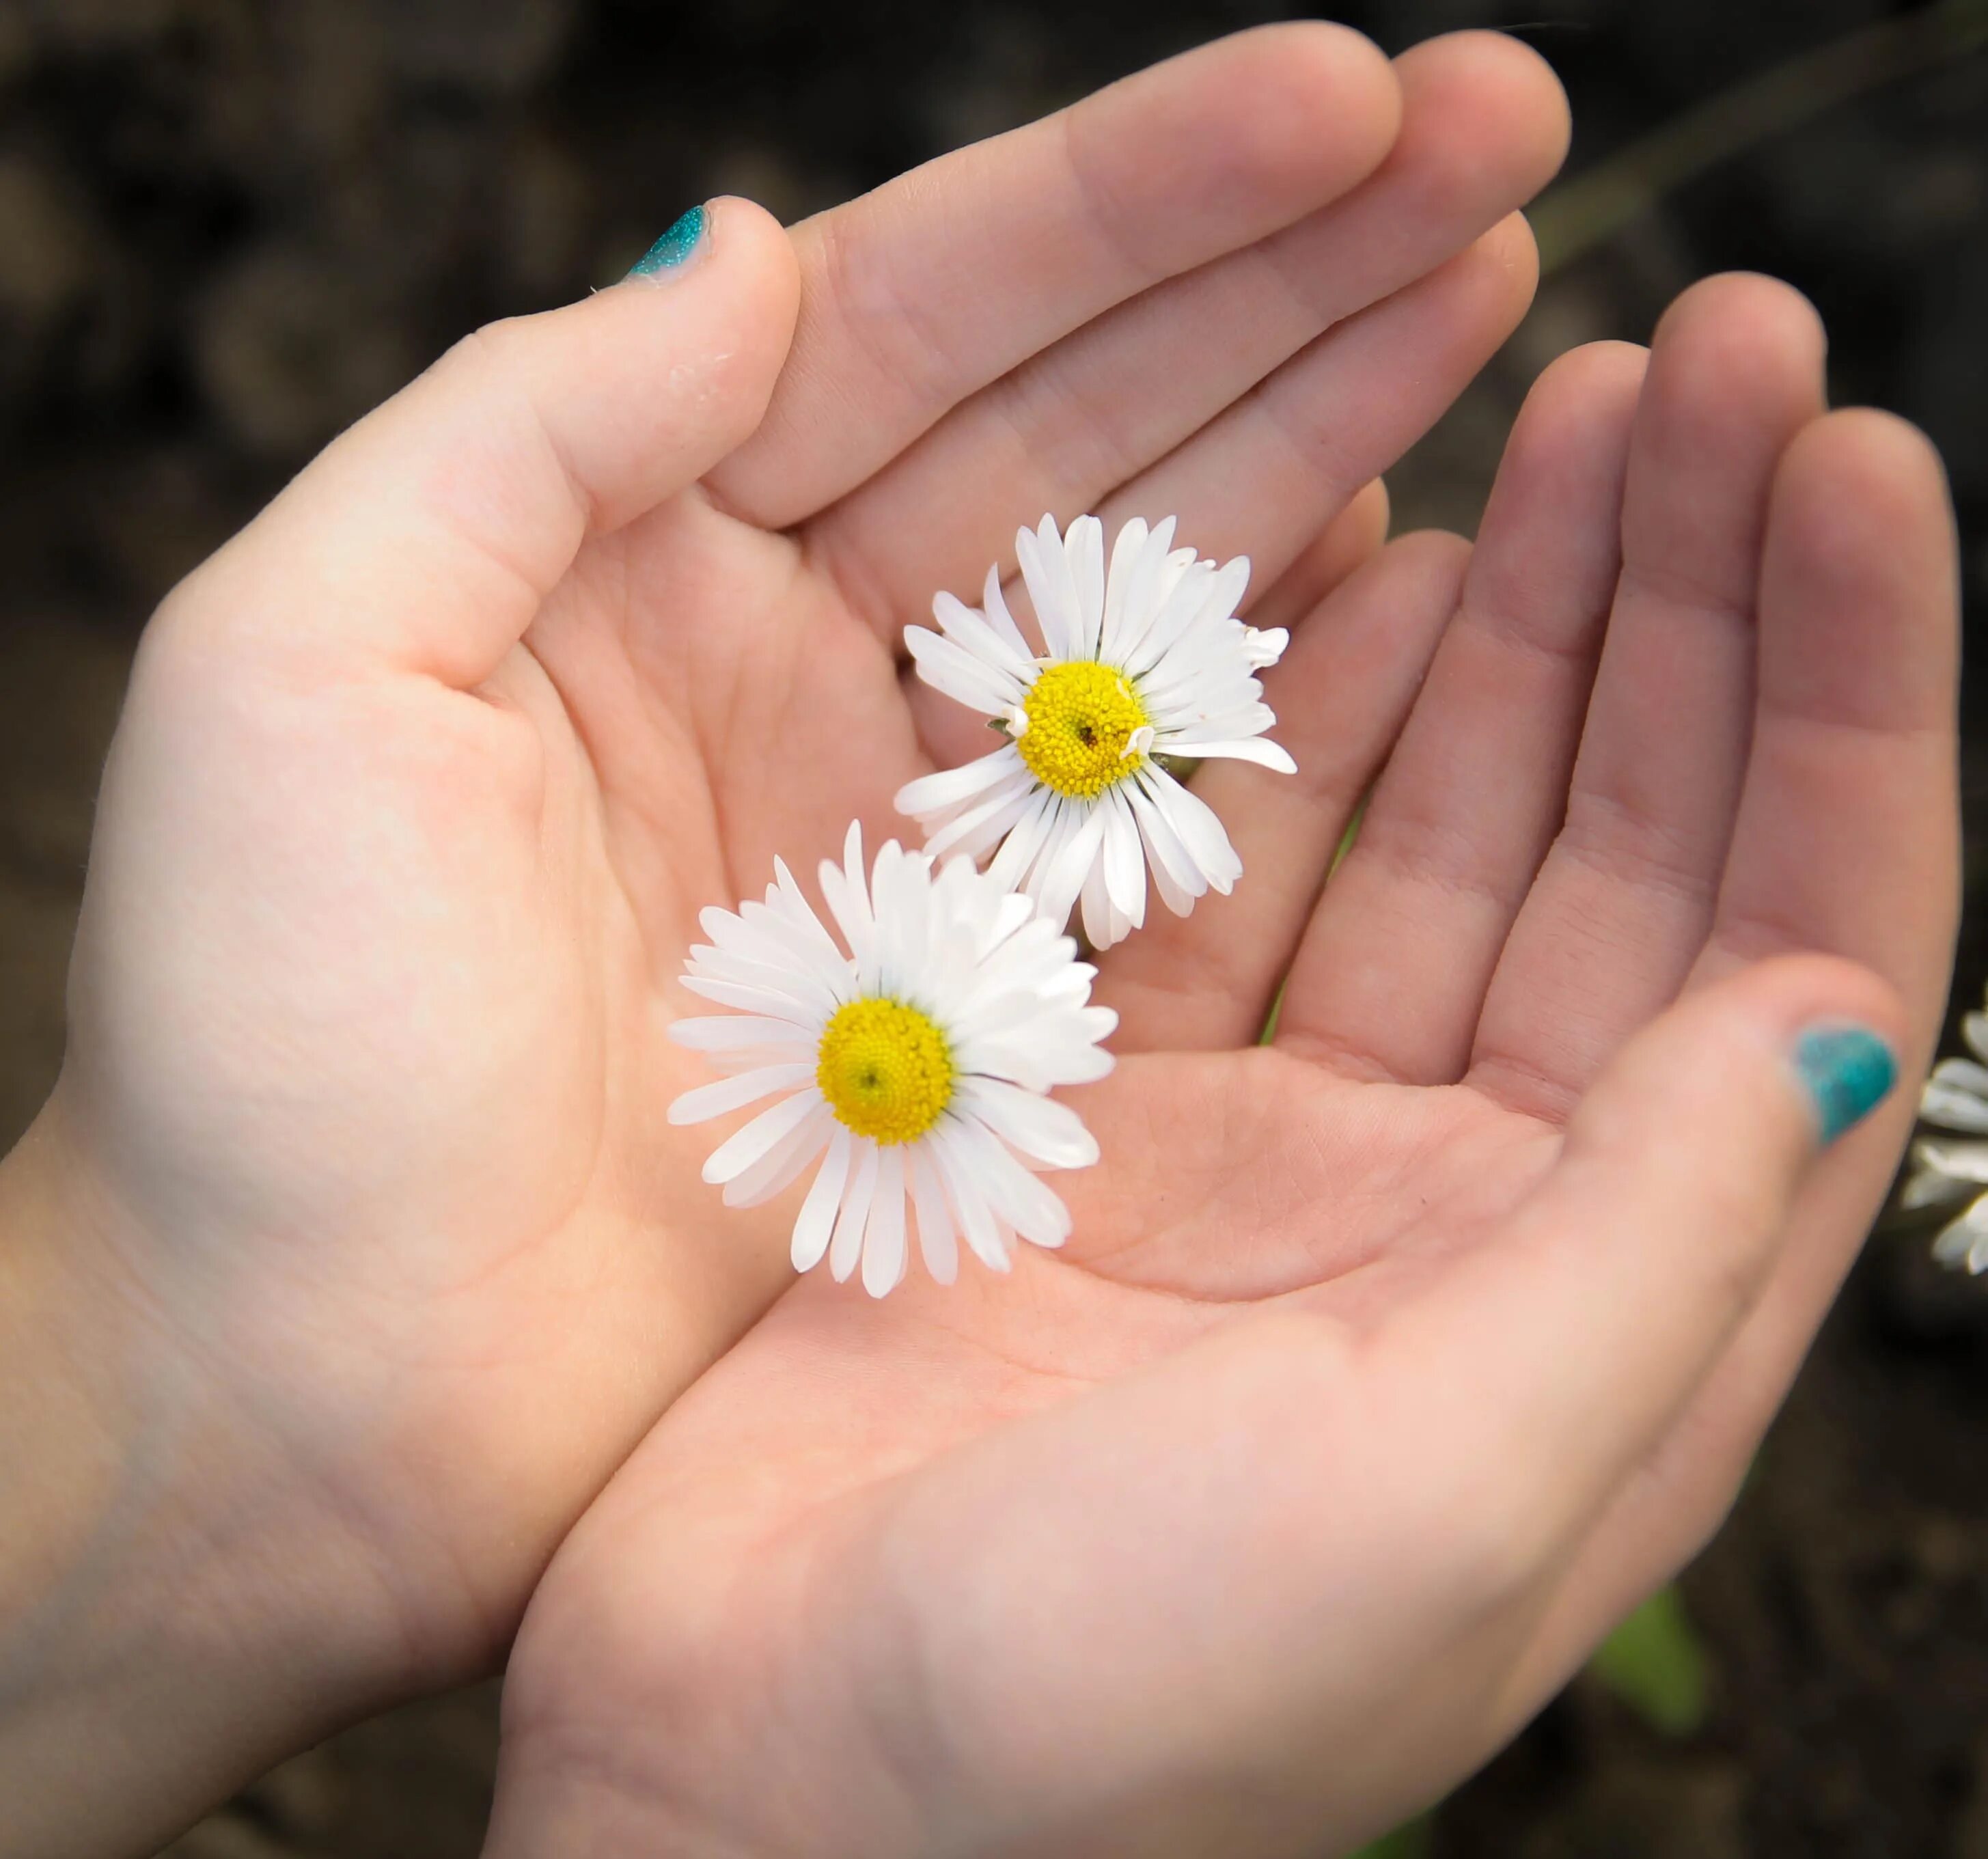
(918, 1061)
(1956, 1098)
(1144, 662)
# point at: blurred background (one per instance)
(228, 227)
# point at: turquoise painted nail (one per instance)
(1847, 1072)
(684, 238)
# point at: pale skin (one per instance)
(352, 1276)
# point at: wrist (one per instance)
(173, 1617)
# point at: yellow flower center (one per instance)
(885, 1069)
(1082, 717)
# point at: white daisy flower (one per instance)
(919, 1061)
(1955, 1097)
(1148, 661)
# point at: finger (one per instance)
(1578, 1334)
(1391, 976)
(1206, 981)
(1850, 802)
(1342, 545)
(1311, 438)
(920, 293)
(952, 734)
(1624, 899)
(1483, 127)
(1853, 769)
(1340, 412)
(426, 536)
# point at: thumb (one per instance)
(1573, 1339)
(427, 535)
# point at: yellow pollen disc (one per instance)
(885, 1069)
(1081, 716)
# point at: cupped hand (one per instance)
(423, 779)
(1390, 1363)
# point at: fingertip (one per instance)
(1743, 321)
(1353, 537)
(742, 234)
(1839, 1028)
(1506, 259)
(1434, 561)
(1846, 1071)
(1720, 1085)
(1788, 994)
(1873, 465)
(1861, 583)
(1300, 75)
(1610, 373)
(1480, 102)
(1325, 57)
(1371, 512)
(1835, 1026)
(1577, 418)
(720, 318)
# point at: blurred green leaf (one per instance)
(1269, 1031)
(1346, 840)
(1655, 1663)
(1588, 208)
(1408, 1842)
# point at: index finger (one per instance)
(922, 292)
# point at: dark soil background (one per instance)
(227, 227)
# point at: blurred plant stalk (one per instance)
(1590, 208)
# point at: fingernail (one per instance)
(684, 238)
(1847, 1072)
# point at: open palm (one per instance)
(1389, 1363)
(424, 778)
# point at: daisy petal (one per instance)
(734, 1032)
(847, 1246)
(1953, 1108)
(937, 1240)
(771, 1002)
(976, 1217)
(1038, 1126)
(816, 1221)
(951, 668)
(957, 787)
(737, 1153)
(780, 1167)
(1956, 1162)
(709, 1100)
(1011, 1192)
(1083, 544)
(1124, 862)
(1056, 891)
(1248, 748)
(1003, 622)
(1198, 830)
(883, 1235)
(970, 632)
(1964, 1240)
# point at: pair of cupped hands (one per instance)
(369, 1327)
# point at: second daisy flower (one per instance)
(1146, 662)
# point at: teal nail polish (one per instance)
(1847, 1072)
(683, 237)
